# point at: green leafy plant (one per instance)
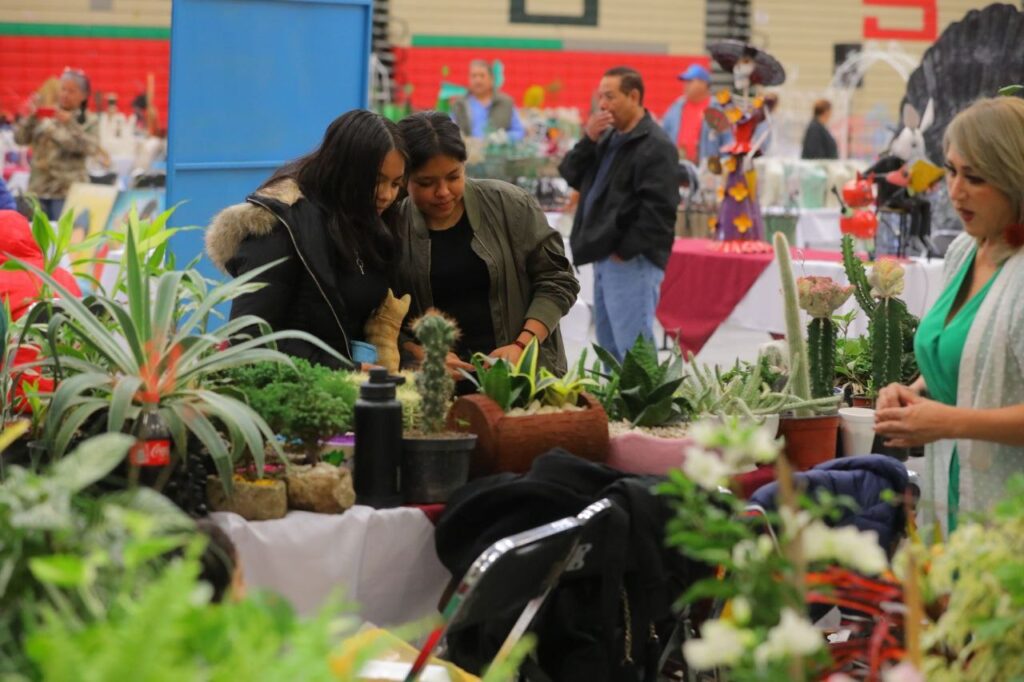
(157, 348)
(764, 634)
(1011, 91)
(437, 333)
(304, 403)
(642, 390)
(523, 384)
(69, 551)
(979, 575)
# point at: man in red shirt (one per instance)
(684, 121)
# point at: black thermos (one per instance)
(378, 451)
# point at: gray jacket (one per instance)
(499, 116)
(530, 275)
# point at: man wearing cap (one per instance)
(684, 121)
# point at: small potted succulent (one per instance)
(821, 297)
(521, 412)
(435, 457)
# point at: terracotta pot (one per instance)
(862, 401)
(510, 444)
(809, 440)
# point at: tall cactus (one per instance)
(821, 348)
(798, 359)
(438, 333)
(888, 323)
(858, 277)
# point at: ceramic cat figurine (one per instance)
(383, 326)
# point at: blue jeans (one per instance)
(52, 207)
(625, 297)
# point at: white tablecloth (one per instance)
(763, 309)
(383, 560)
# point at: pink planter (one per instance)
(640, 453)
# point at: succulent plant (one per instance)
(800, 383)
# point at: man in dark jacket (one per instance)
(818, 141)
(625, 170)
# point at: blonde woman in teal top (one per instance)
(968, 405)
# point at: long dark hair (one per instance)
(340, 176)
(428, 134)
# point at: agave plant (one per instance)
(156, 348)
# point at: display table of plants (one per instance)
(138, 409)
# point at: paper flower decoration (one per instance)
(733, 114)
(742, 223)
(739, 191)
(723, 97)
(720, 193)
(758, 102)
(886, 279)
(712, 224)
(821, 296)
(729, 164)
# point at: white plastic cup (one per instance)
(858, 428)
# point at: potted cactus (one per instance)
(821, 297)
(521, 412)
(890, 324)
(810, 439)
(435, 459)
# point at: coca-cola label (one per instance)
(150, 453)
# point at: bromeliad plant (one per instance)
(157, 349)
(821, 297)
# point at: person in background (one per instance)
(61, 140)
(329, 215)
(968, 405)
(484, 110)
(220, 565)
(480, 251)
(626, 170)
(684, 121)
(763, 131)
(818, 141)
(7, 202)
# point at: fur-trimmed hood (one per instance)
(234, 224)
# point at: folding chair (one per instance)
(517, 572)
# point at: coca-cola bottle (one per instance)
(150, 456)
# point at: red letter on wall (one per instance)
(929, 25)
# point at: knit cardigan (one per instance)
(990, 376)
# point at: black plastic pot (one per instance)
(433, 468)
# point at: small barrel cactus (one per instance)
(437, 333)
(820, 297)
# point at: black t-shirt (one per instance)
(461, 287)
